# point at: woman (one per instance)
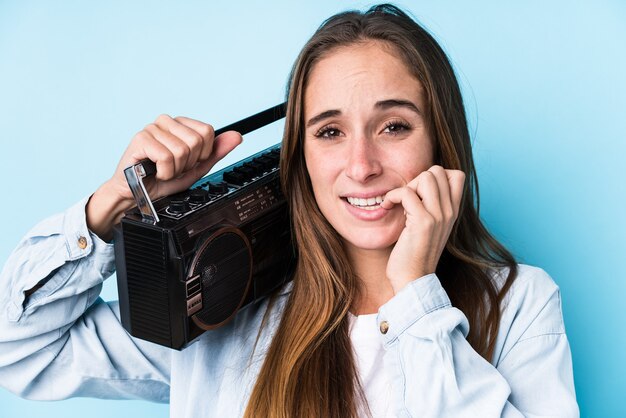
(402, 304)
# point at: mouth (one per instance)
(369, 203)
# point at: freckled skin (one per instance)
(362, 153)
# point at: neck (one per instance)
(370, 267)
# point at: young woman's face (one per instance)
(365, 134)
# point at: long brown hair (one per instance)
(309, 370)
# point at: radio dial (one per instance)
(179, 206)
(220, 187)
(198, 196)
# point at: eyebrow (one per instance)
(324, 115)
(387, 104)
(383, 105)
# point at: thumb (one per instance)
(222, 145)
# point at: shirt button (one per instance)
(82, 243)
(384, 327)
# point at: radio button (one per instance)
(216, 188)
(274, 158)
(257, 168)
(234, 178)
(198, 196)
(179, 206)
(247, 172)
(266, 162)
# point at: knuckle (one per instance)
(437, 219)
(448, 214)
(407, 191)
(207, 131)
(179, 150)
(458, 174)
(427, 176)
(428, 223)
(151, 127)
(195, 141)
(141, 136)
(167, 158)
(163, 118)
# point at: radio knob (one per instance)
(245, 171)
(198, 196)
(274, 159)
(266, 162)
(257, 168)
(179, 206)
(234, 178)
(220, 187)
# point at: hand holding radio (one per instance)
(183, 150)
(431, 204)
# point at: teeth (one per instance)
(370, 203)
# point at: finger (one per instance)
(414, 209)
(456, 179)
(425, 187)
(443, 185)
(186, 180)
(189, 136)
(390, 200)
(205, 131)
(428, 191)
(177, 147)
(155, 151)
(406, 197)
(395, 196)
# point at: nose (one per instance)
(362, 163)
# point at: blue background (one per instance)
(543, 82)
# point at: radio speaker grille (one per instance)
(147, 283)
(224, 263)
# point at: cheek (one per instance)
(409, 164)
(318, 168)
(423, 157)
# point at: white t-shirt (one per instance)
(368, 348)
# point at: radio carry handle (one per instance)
(145, 168)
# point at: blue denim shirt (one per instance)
(64, 341)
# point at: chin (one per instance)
(372, 239)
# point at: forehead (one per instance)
(357, 72)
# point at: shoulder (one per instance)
(530, 308)
(530, 283)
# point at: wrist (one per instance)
(104, 209)
(401, 280)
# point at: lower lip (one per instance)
(364, 214)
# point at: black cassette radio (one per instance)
(187, 263)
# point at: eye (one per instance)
(328, 132)
(396, 127)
